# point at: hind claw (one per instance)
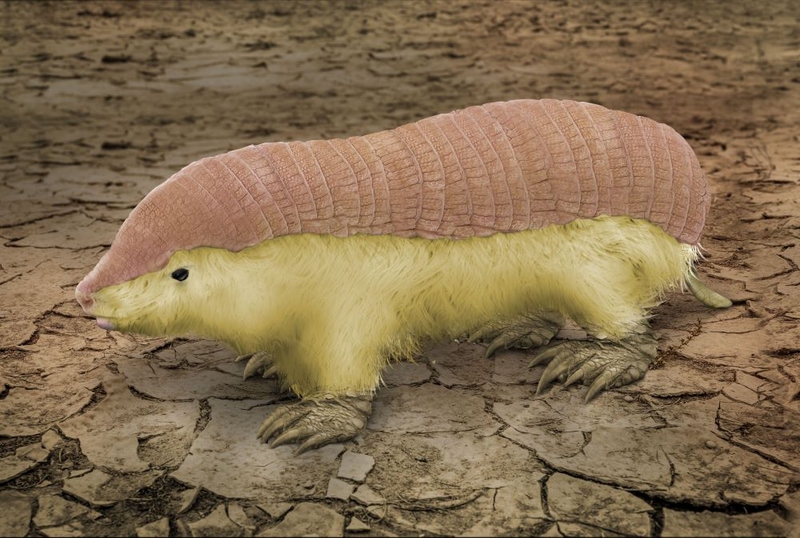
(576, 376)
(604, 381)
(522, 332)
(545, 356)
(601, 364)
(553, 371)
(317, 422)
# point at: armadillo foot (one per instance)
(602, 364)
(316, 422)
(522, 332)
(257, 363)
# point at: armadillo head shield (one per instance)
(182, 213)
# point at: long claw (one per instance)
(288, 437)
(249, 369)
(591, 365)
(488, 331)
(545, 356)
(273, 423)
(576, 376)
(315, 441)
(494, 346)
(240, 358)
(264, 434)
(601, 383)
(258, 362)
(553, 371)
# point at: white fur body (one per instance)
(333, 311)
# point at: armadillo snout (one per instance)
(85, 300)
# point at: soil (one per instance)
(110, 434)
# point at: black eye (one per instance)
(180, 274)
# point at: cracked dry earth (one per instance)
(110, 434)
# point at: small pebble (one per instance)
(628, 398)
(367, 496)
(356, 525)
(339, 489)
(377, 511)
(711, 444)
(355, 466)
(50, 439)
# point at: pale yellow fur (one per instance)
(332, 311)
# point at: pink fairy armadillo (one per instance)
(608, 208)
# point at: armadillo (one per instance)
(319, 261)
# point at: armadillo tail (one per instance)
(706, 295)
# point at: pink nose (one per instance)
(84, 300)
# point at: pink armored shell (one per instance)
(500, 167)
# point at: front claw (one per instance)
(602, 364)
(260, 362)
(316, 422)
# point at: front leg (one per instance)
(335, 375)
(315, 422)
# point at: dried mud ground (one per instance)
(109, 434)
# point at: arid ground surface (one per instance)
(105, 433)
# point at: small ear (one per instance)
(180, 274)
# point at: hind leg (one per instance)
(622, 345)
(522, 332)
(602, 364)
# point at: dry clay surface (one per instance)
(109, 434)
